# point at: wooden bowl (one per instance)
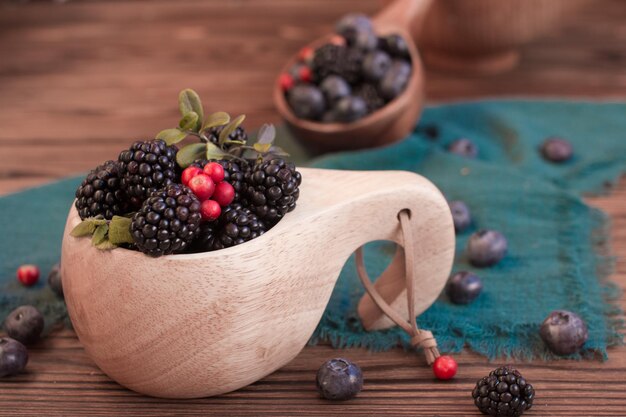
(387, 125)
(485, 35)
(196, 325)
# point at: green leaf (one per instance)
(189, 101)
(171, 136)
(189, 121)
(188, 154)
(214, 152)
(267, 134)
(84, 228)
(230, 128)
(216, 119)
(97, 222)
(99, 235)
(278, 151)
(106, 245)
(262, 147)
(119, 230)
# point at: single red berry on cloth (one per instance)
(224, 193)
(189, 173)
(202, 186)
(305, 74)
(210, 210)
(445, 367)
(28, 275)
(286, 82)
(306, 54)
(215, 171)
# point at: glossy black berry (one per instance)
(234, 174)
(273, 189)
(101, 194)
(395, 79)
(24, 324)
(239, 135)
(395, 45)
(504, 392)
(339, 379)
(306, 101)
(235, 226)
(486, 248)
(463, 287)
(147, 167)
(350, 109)
(375, 65)
(167, 222)
(564, 332)
(460, 215)
(463, 147)
(54, 280)
(557, 150)
(335, 88)
(13, 357)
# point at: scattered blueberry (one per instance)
(350, 108)
(375, 65)
(557, 150)
(13, 357)
(24, 324)
(564, 332)
(431, 131)
(463, 287)
(395, 80)
(352, 24)
(463, 147)
(486, 248)
(460, 215)
(339, 379)
(54, 280)
(395, 45)
(307, 101)
(335, 88)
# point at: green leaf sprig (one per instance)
(105, 234)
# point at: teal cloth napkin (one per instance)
(558, 255)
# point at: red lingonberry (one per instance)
(215, 171)
(337, 40)
(286, 82)
(189, 173)
(305, 74)
(445, 367)
(306, 54)
(210, 210)
(28, 274)
(202, 186)
(224, 193)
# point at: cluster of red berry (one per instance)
(209, 186)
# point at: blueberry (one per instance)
(564, 332)
(395, 80)
(463, 147)
(339, 379)
(24, 324)
(54, 280)
(557, 150)
(486, 248)
(13, 357)
(351, 24)
(306, 101)
(350, 108)
(334, 88)
(375, 65)
(395, 45)
(463, 287)
(365, 40)
(460, 215)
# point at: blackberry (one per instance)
(234, 174)
(504, 392)
(272, 189)
(100, 193)
(235, 226)
(167, 222)
(147, 167)
(338, 60)
(238, 134)
(370, 94)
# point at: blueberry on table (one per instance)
(24, 324)
(504, 392)
(463, 287)
(54, 280)
(13, 357)
(339, 379)
(375, 65)
(461, 215)
(307, 102)
(334, 88)
(350, 108)
(557, 150)
(564, 332)
(463, 147)
(486, 248)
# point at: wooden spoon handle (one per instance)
(403, 14)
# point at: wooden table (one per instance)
(79, 80)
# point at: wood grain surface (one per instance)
(78, 80)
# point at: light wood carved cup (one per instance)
(196, 325)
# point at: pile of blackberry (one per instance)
(353, 75)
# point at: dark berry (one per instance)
(167, 222)
(306, 101)
(460, 215)
(339, 379)
(235, 226)
(463, 147)
(27, 275)
(564, 332)
(375, 65)
(351, 25)
(504, 392)
(486, 248)
(364, 40)
(463, 287)
(24, 324)
(54, 280)
(238, 135)
(395, 45)
(431, 131)
(334, 88)
(395, 80)
(445, 367)
(147, 167)
(350, 109)
(13, 357)
(101, 194)
(370, 94)
(557, 150)
(338, 60)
